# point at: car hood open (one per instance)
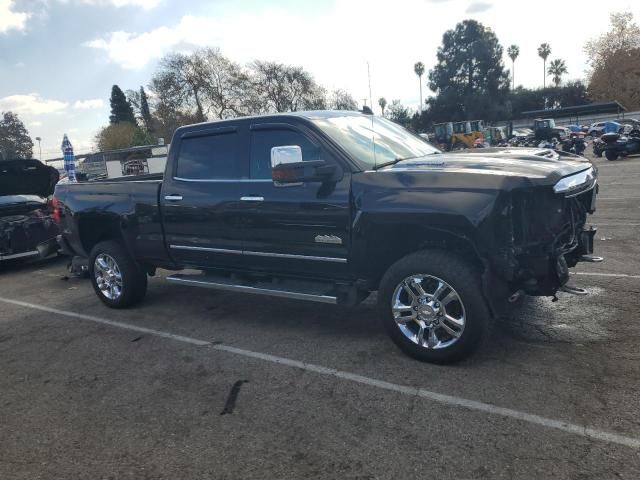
(27, 177)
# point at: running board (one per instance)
(295, 289)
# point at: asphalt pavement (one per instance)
(196, 384)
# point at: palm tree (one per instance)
(418, 68)
(544, 50)
(556, 69)
(513, 51)
(383, 103)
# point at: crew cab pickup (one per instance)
(331, 206)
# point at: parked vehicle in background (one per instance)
(575, 131)
(27, 226)
(458, 135)
(596, 129)
(620, 146)
(546, 129)
(330, 206)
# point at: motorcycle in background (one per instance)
(574, 145)
(599, 146)
(618, 146)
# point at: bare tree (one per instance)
(181, 80)
(342, 100)
(283, 88)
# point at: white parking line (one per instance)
(595, 274)
(618, 198)
(450, 400)
(597, 224)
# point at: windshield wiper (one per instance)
(402, 159)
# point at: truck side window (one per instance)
(209, 157)
(263, 140)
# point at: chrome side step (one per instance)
(298, 290)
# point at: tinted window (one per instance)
(263, 141)
(209, 157)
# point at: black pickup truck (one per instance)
(331, 206)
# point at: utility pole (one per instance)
(369, 77)
(39, 146)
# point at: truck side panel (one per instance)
(128, 211)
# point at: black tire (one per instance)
(462, 278)
(459, 146)
(599, 154)
(133, 278)
(611, 155)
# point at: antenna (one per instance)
(373, 133)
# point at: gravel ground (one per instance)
(200, 384)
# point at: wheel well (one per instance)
(95, 230)
(409, 240)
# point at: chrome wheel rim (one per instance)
(428, 311)
(108, 277)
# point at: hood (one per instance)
(541, 164)
(27, 177)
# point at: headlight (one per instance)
(575, 184)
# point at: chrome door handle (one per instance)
(173, 198)
(252, 199)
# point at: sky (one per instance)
(59, 58)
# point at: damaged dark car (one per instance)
(27, 224)
(331, 206)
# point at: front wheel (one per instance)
(117, 279)
(432, 307)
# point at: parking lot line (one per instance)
(596, 274)
(450, 400)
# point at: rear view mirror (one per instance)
(284, 155)
(287, 167)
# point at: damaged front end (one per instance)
(26, 231)
(548, 234)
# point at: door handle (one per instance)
(252, 199)
(173, 198)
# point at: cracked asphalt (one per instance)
(87, 400)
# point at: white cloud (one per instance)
(35, 124)
(10, 20)
(31, 104)
(145, 4)
(88, 104)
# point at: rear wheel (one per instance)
(611, 155)
(432, 307)
(117, 279)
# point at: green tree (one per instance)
(121, 135)
(15, 142)
(544, 50)
(121, 110)
(418, 69)
(556, 69)
(383, 104)
(145, 112)
(513, 51)
(469, 78)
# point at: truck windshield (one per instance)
(356, 134)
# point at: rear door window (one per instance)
(209, 157)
